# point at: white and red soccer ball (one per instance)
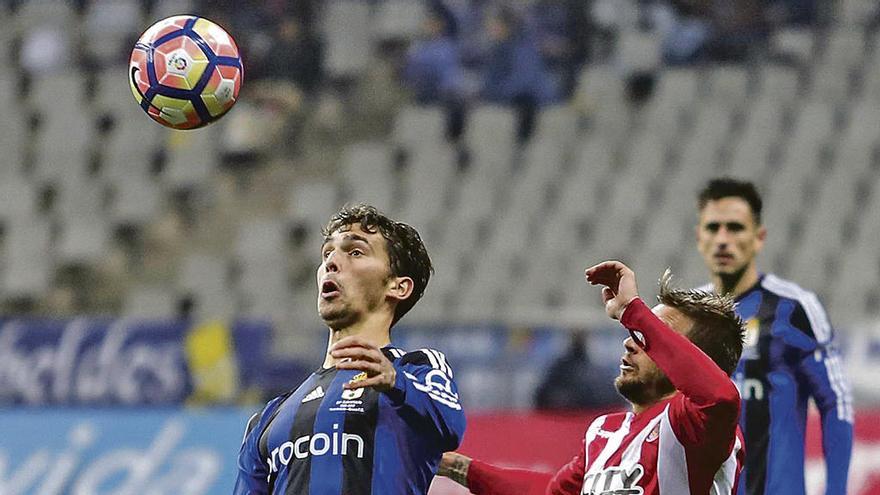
(185, 72)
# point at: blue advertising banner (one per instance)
(84, 451)
(92, 361)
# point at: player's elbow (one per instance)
(729, 400)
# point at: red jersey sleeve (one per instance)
(708, 409)
(486, 479)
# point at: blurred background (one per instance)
(157, 286)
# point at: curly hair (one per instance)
(717, 330)
(406, 251)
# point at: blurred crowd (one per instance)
(524, 54)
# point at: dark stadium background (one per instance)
(157, 286)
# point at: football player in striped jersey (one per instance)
(681, 437)
(372, 419)
(789, 356)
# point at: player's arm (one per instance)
(420, 382)
(821, 371)
(485, 479)
(712, 396)
(253, 473)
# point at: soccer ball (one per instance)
(185, 72)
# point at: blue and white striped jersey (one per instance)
(324, 440)
(790, 356)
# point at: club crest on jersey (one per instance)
(614, 481)
(358, 392)
(750, 339)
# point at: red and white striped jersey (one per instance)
(688, 444)
(635, 454)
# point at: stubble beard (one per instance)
(337, 318)
(729, 281)
(643, 391)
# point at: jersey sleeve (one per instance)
(425, 389)
(820, 370)
(486, 479)
(253, 472)
(707, 413)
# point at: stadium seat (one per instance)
(418, 126)
(204, 277)
(18, 198)
(64, 140)
(731, 85)
(136, 200)
(82, 240)
(168, 8)
(150, 302)
(27, 258)
(109, 25)
(367, 175)
(192, 157)
(346, 31)
(430, 176)
(397, 19)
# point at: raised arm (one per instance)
(712, 401)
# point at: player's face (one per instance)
(640, 380)
(728, 237)
(353, 276)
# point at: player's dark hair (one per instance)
(717, 330)
(727, 187)
(406, 251)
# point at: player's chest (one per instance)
(623, 460)
(321, 419)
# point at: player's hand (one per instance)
(620, 285)
(356, 353)
(455, 467)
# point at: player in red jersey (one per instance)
(681, 437)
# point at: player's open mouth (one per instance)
(625, 366)
(329, 289)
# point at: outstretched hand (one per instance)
(620, 285)
(358, 354)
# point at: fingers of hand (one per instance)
(370, 367)
(380, 379)
(607, 294)
(357, 353)
(352, 343)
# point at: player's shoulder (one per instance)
(805, 301)
(421, 357)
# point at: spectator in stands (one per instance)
(572, 382)
(296, 55)
(474, 44)
(714, 30)
(515, 74)
(433, 71)
(789, 355)
(562, 29)
(276, 108)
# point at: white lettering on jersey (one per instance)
(614, 481)
(438, 387)
(318, 444)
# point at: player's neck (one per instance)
(640, 408)
(736, 284)
(375, 328)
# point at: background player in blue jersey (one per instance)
(372, 419)
(789, 354)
